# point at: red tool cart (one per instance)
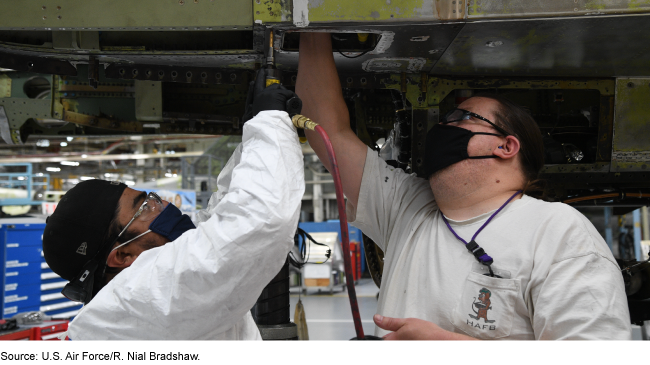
(46, 331)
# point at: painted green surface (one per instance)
(520, 8)
(595, 5)
(18, 80)
(634, 4)
(608, 4)
(129, 14)
(632, 122)
(474, 9)
(18, 110)
(272, 11)
(630, 166)
(372, 10)
(248, 65)
(532, 38)
(5, 86)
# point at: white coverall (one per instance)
(203, 285)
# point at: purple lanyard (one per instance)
(472, 246)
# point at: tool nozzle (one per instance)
(301, 121)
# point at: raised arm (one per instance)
(204, 283)
(223, 186)
(319, 88)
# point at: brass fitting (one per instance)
(301, 121)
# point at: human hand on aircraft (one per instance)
(415, 329)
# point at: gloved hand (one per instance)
(274, 97)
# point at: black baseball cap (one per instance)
(75, 242)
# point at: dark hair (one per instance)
(518, 121)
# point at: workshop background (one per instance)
(151, 93)
(183, 170)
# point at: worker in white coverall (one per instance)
(202, 284)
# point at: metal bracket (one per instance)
(5, 131)
(148, 101)
(93, 71)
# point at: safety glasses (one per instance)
(458, 115)
(80, 289)
(151, 206)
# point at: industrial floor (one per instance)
(329, 316)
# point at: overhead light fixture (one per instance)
(84, 156)
(129, 183)
(69, 163)
(21, 178)
(69, 139)
(168, 175)
(64, 144)
(84, 178)
(43, 143)
(53, 169)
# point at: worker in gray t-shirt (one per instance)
(469, 254)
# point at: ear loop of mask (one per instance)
(488, 156)
(131, 240)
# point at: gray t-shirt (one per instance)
(559, 278)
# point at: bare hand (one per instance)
(414, 329)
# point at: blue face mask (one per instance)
(171, 223)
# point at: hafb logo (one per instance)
(82, 249)
(481, 307)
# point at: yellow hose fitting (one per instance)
(363, 37)
(271, 81)
(301, 121)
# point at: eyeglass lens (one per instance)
(153, 205)
(457, 115)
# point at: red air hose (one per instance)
(345, 236)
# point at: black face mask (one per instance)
(447, 145)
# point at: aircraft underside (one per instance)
(581, 68)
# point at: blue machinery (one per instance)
(22, 181)
(28, 284)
